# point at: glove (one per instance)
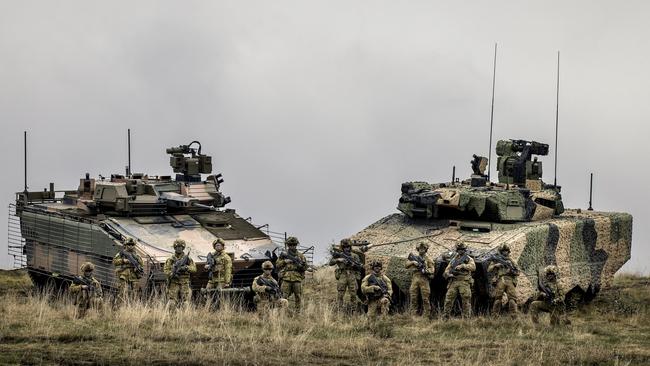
(185, 268)
(340, 260)
(376, 288)
(226, 285)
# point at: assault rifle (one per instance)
(349, 260)
(210, 265)
(272, 287)
(457, 261)
(178, 265)
(500, 259)
(421, 264)
(295, 259)
(80, 280)
(139, 271)
(383, 288)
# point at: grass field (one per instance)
(42, 329)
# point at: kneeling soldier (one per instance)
(552, 298)
(87, 289)
(267, 291)
(292, 266)
(459, 274)
(378, 289)
(178, 268)
(423, 269)
(505, 271)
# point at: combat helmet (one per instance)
(218, 241)
(376, 263)
(129, 241)
(87, 267)
(346, 243)
(461, 246)
(292, 240)
(550, 270)
(179, 243)
(504, 248)
(267, 265)
(422, 245)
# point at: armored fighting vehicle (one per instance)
(519, 210)
(59, 230)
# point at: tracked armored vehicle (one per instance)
(520, 210)
(54, 232)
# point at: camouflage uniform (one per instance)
(125, 272)
(264, 299)
(378, 302)
(460, 283)
(506, 281)
(292, 273)
(222, 271)
(420, 286)
(346, 275)
(86, 296)
(553, 302)
(178, 287)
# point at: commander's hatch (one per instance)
(228, 225)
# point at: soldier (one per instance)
(459, 274)
(292, 266)
(129, 268)
(219, 266)
(422, 268)
(178, 268)
(552, 298)
(267, 291)
(505, 271)
(87, 289)
(348, 272)
(378, 289)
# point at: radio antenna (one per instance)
(494, 74)
(557, 113)
(128, 173)
(25, 145)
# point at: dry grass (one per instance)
(41, 329)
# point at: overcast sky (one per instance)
(316, 112)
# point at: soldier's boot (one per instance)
(496, 307)
(534, 316)
(555, 319)
(339, 300)
(512, 307)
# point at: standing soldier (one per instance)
(505, 271)
(267, 291)
(422, 268)
(459, 274)
(219, 266)
(292, 266)
(378, 289)
(552, 298)
(129, 268)
(348, 272)
(178, 268)
(87, 289)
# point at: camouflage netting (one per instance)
(588, 247)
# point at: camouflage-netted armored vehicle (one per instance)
(520, 210)
(58, 231)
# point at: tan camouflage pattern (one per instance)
(587, 246)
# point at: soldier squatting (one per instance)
(375, 288)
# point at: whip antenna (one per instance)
(25, 142)
(557, 113)
(494, 74)
(128, 168)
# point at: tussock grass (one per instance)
(41, 328)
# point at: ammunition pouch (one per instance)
(337, 273)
